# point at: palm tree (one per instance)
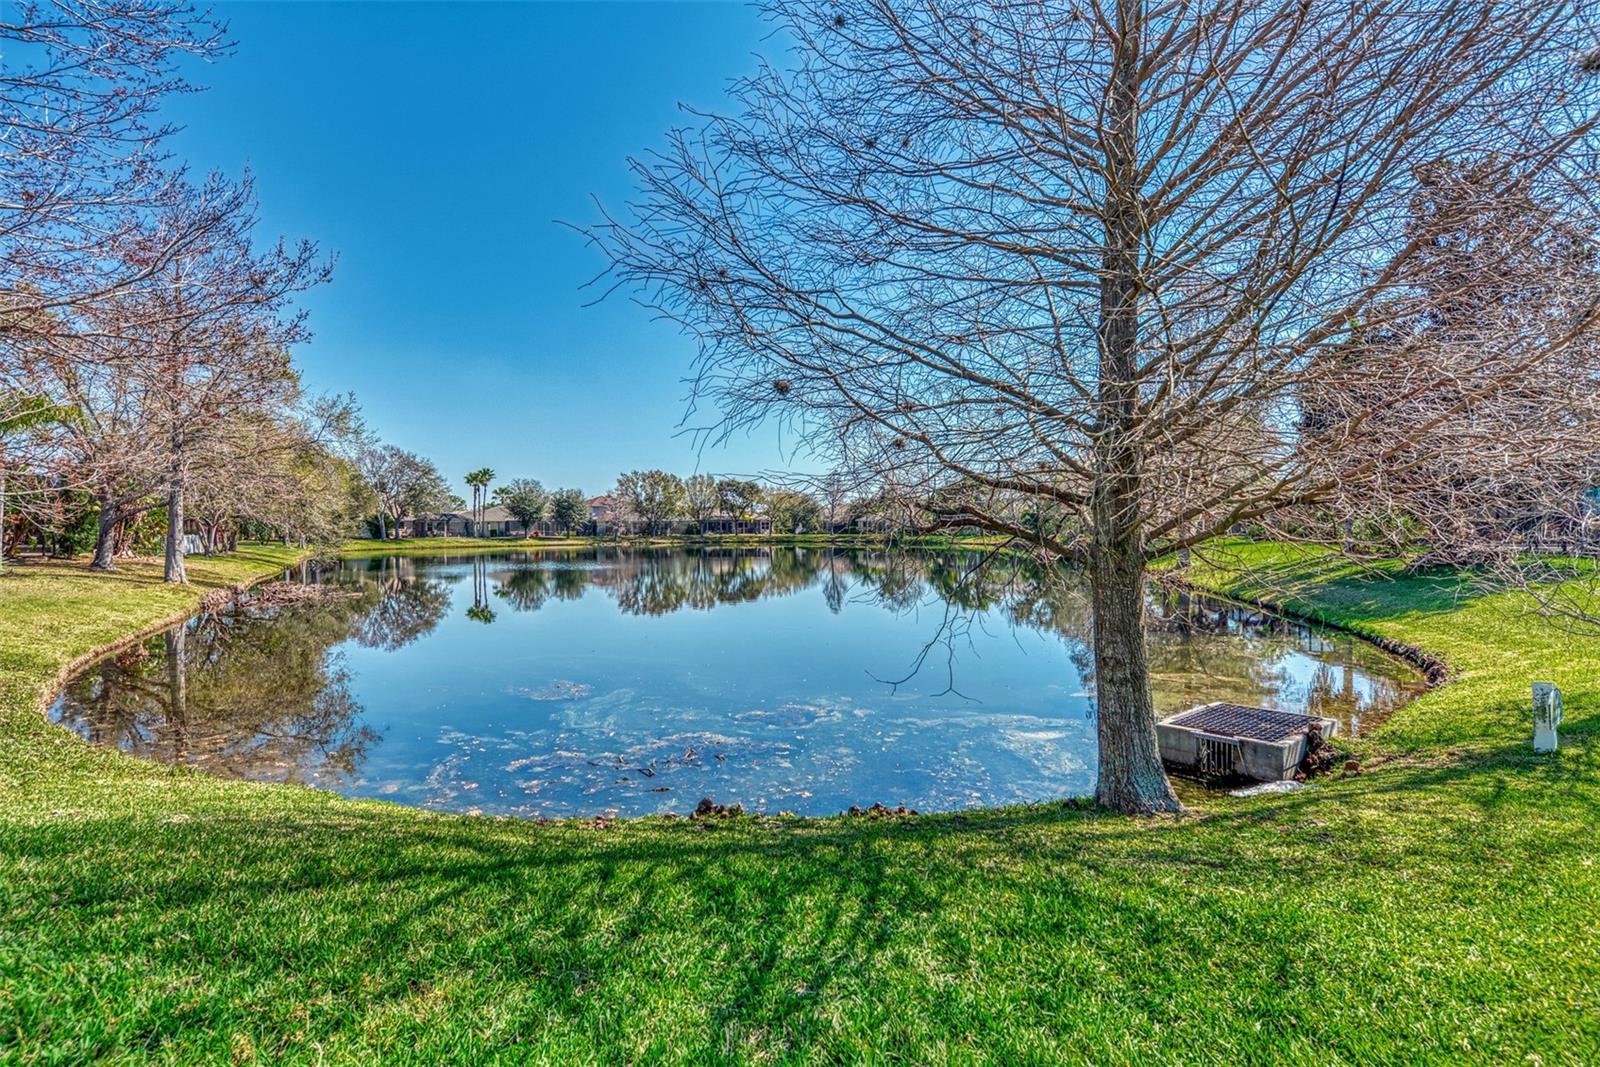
(22, 411)
(483, 498)
(479, 480)
(472, 482)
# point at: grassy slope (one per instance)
(1440, 907)
(52, 613)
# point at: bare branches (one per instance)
(909, 228)
(1103, 262)
(82, 140)
(402, 482)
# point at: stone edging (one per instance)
(1435, 671)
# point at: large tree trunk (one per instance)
(105, 536)
(175, 571)
(1131, 776)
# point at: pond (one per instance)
(580, 682)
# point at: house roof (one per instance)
(494, 513)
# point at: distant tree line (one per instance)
(407, 494)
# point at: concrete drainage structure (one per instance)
(1224, 740)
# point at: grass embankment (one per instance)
(1440, 907)
(53, 613)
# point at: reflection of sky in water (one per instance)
(640, 684)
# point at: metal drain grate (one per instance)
(1219, 757)
(1238, 720)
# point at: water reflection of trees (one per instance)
(403, 606)
(1200, 649)
(256, 691)
(262, 692)
(653, 582)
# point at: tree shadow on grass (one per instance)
(1499, 782)
(756, 922)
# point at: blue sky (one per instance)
(434, 147)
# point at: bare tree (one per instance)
(834, 489)
(700, 500)
(84, 359)
(1087, 254)
(281, 469)
(213, 329)
(1493, 268)
(402, 482)
(83, 144)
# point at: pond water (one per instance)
(565, 682)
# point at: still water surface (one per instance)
(625, 681)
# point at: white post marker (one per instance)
(1546, 716)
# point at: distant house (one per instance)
(604, 509)
(497, 522)
(731, 524)
(608, 515)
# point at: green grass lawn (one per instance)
(1442, 906)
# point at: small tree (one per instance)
(700, 498)
(568, 509)
(792, 511)
(19, 414)
(655, 497)
(525, 499)
(739, 498)
(834, 489)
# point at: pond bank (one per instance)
(597, 681)
(57, 617)
(1416, 912)
(1432, 667)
